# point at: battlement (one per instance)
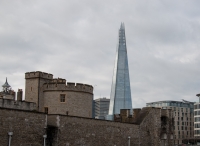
(38, 74)
(9, 103)
(60, 85)
(58, 81)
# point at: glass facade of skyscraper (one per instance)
(120, 97)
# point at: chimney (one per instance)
(19, 95)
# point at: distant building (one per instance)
(197, 118)
(120, 97)
(101, 107)
(183, 118)
(7, 92)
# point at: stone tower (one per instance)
(120, 97)
(34, 87)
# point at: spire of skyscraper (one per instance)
(120, 97)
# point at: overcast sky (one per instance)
(76, 40)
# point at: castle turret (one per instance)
(56, 96)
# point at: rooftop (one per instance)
(6, 85)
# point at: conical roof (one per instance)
(6, 85)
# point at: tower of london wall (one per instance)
(78, 98)
(56, 96)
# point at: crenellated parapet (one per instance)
(60, 85)
(58, 81)
(38, 74)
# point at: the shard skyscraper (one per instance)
(120, 97)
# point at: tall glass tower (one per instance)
(120, 97)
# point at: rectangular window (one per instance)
(46, 110)
(62, 97)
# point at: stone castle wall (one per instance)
(45, 91)
(28, 127)
(82, 131)
(75, 131)
(151, 127)
(78, 98)
(76, 103)
(13, 104)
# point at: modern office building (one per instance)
(183, 118)
(197, 118)
(101, 107)
(120, 97)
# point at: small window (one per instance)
(46, 110)
(62, 97)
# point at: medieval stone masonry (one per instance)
(154, 128)
(54, 96)
(56, 113)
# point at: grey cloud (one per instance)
(76, 40)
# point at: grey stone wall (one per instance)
(10, 103)
(74, 131)
(28, 127)
(76, 103)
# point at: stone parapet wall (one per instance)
(8, 103)
(60, 85)
(37, 74)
